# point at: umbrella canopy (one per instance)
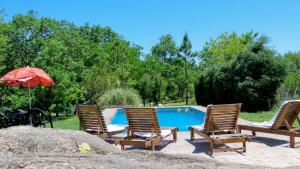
(27, 77)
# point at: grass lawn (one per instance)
(258, 116)
(174, 104)
(69, 123)
(180, 103)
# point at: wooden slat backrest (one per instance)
(222, 117)
(289, 111)
(91, 119)
(142, 120)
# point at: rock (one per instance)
(25, 139)
(28, 147)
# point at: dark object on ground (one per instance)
(3, 120)
(29, 147)
(144, 129)
(6, 117)
(282, 124)
(13, 117)
(220, 127)
(20, 117)
(35, 117)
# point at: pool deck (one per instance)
(267, 150)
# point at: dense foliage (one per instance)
(251, 76)
(86, 62)
(91, 62)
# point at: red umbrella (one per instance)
(27, 77)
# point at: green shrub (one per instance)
(119, 96)
(252, 78)
(290, 88)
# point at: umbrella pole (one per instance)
(30, 115)
(29, 95)
(29, 99)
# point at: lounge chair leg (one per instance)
(211, 148)
(253, 133)
(117, 142)
(239, 130)
(153, 146)
(292, 140)
(175, 135)
(192, 134)
(244, 146)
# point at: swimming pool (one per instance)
(180, 117)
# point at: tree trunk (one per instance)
(144, 102)
(186, 82)
(186, 97)
(155, 101)
(159, 92)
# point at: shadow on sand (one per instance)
(271, 142)
(202, 146)
(162, 144)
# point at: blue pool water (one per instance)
(181, 118)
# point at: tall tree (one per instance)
(165, 51)
(186, 50)
(166, 48)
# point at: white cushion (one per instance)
(164, 133)
(111, 128)
(201, 128)
(267, 124)
(270, 123)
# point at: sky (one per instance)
(142, 22)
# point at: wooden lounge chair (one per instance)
(281, 123)
(220, 127)
(144, 129)
(92, 121)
